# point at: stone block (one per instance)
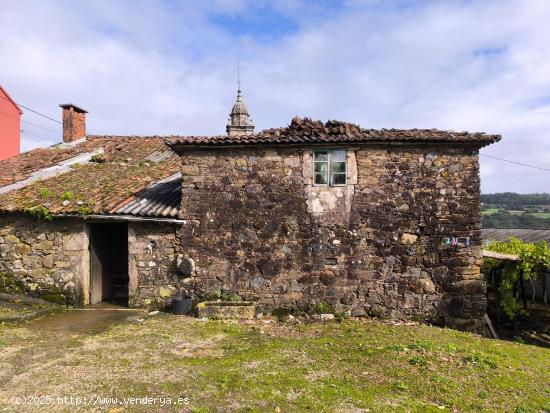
(11, 239)
(30, 260)
(424, 286)
(226, 310)
(410, 301)
(408, 238)
(47, 261)
(257, 283)
(43, 246)
(293, 162)
(440, 274)
(412, 272)
(457, 262)
(75, 241)
(23, 249)
(253, 188)
(470, 287)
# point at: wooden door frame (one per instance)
(95, 291)
(88, 287)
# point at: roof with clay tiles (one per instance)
(98, 175)
(307, 131)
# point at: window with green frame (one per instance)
(329, 167)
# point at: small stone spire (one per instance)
(239, 119)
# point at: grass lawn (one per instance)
(516, 212)
(354, 366)
(545, 215)
(489, 211)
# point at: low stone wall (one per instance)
(43, 259)
(386, 244)
(154, 278)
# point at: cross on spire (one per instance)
(238, 75)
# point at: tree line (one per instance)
(515, 200)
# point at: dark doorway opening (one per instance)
(109, 263)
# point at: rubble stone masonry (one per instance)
(51, 260)
(401, 239)
(44, 259)
(153, 275)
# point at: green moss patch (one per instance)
(55, 298)
(323, 308)
(9, 284)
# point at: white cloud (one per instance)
(160, 68)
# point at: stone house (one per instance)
(327, 215)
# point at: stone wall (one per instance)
(256, 226)
(153, 274)
(43, 258)
(50, 260)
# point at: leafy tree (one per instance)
(534, 261)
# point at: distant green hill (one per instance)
(512, 210)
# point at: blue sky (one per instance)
(263, 23)
(168, 67)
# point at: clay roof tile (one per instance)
(307, 131)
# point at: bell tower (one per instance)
(239, 122)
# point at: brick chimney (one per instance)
(74, 122)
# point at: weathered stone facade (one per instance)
(257, 226)
(43, 258)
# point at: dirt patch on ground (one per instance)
(91, 320)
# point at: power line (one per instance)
(41, 127)
(239, 81)
(515, 163)
(35, 135)
(34, 111)
(30, 123)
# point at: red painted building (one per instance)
(10, 126)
